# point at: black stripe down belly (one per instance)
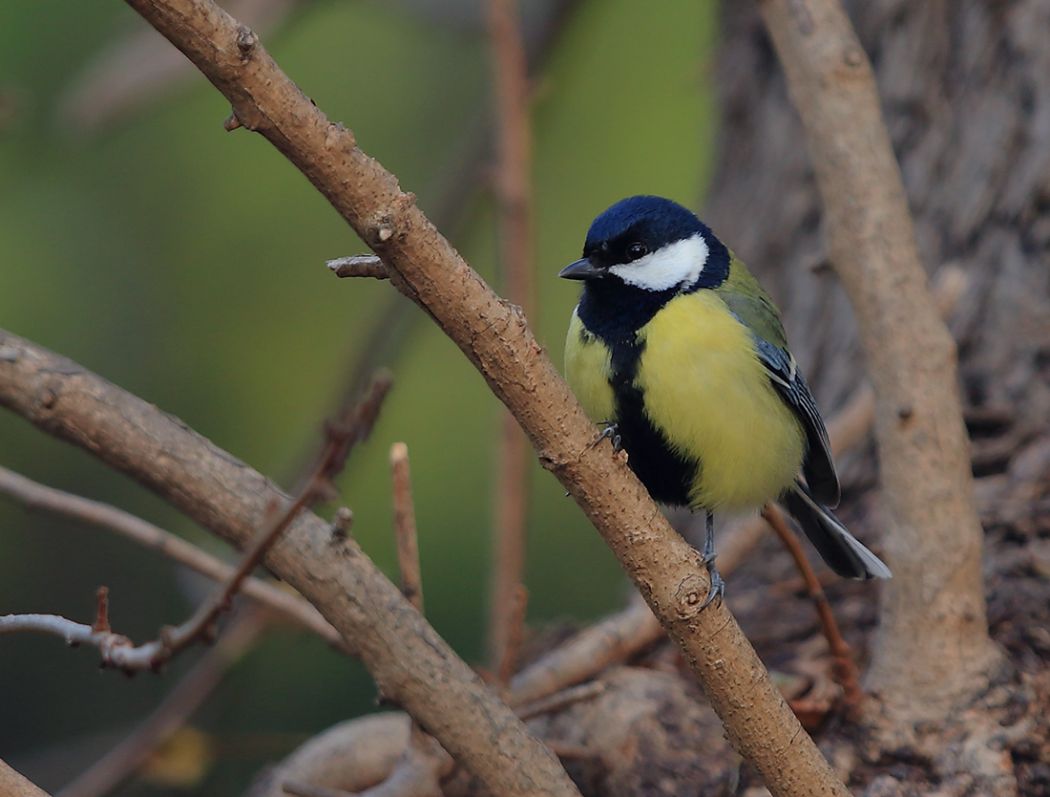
(667, 475)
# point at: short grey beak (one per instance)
(581, 269)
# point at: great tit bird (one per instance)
(679, 351)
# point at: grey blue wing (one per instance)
(818, 466)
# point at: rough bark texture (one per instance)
(496, 339)
(639, 737)
(966, 92)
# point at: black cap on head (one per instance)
(637, 225)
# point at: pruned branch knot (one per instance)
(339, 135)
(382, 232)
(247, 41)
(690, 596)
(48, 398)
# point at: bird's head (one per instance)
(651, 243)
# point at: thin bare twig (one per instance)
(101, 624)
(423, 763)
(569, 751)
(341, 435)
(173, 712)
(510, 525)
(36, 496)
(559, 700)
(844, 668)
(359, 266)
(614, 639)
(514, 194)
(405, 527)
(118, 651)
(514, 636)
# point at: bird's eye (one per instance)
(637, 250)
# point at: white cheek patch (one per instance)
(676, 264)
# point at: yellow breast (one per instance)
(706, 391)
(587, 370)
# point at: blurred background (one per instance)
(186, 265)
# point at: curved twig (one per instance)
(34, 495)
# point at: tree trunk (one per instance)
(965, 89)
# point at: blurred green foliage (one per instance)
(186, 265)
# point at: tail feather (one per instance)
(841, 550)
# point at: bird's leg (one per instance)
(609, 432)
(718, 585)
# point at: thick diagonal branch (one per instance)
(496, 339)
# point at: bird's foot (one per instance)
(609, 433)
(718, 584)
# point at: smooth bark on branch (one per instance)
(494, 336)
(14, 784)
(405, 527)
(933, 537)
(115, 650)
(405, 655)
(356, 755)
